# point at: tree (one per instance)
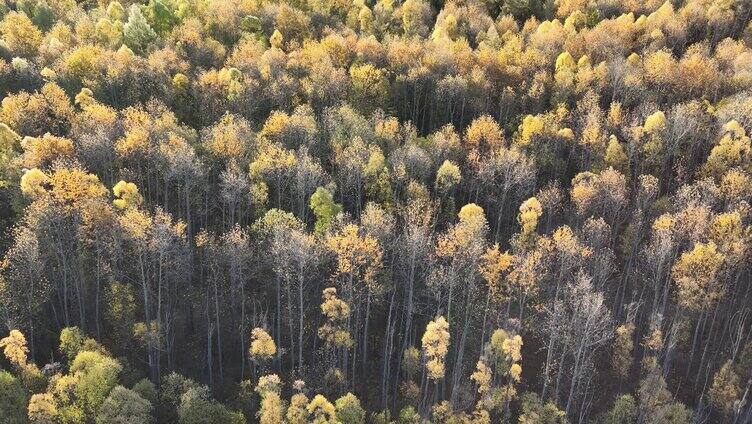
(297, 412)
(534, 411)
(20, 35)
(656, 404)
(358, 263)
(435, 343)
(623, 348)
(12, 399)
(71, 342)
(262, 345)
(137, 34)
(43, 409)
(349, 410)
(334, 332)
(197, 406)
(14, 348)
(724, 392)
(95, 376)
(695, 276)
(624, 411)
(369, 88)
(324, 209)
(124, 406)
(127, 195)
(322, 411)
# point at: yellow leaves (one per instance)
(135, 141)
(725, 390)
(48, 110)
(270, 383)
(615, 156)
(14, 348)
(357, 256)
(735, 185)
(472, 214)
(471, 227)
(40, 151)
(482, 377)
(8, 137)
(411, 361)
(531, 127)
(512, 347)
(336, 312)
(565, 62)
(623, 347)
(726, 227)
(84, 64)
(515, 372)
(272, 161)
(728, 232)
(71, 186)
(34, 182)
(734, 149)
(530, 211)
(566, 133)
(447, 176)
(276, 40)
(229, 138)
(148, 333)
(606, 191)
(695, 276)
(42, 408)
(322, 411)
(136, 224)
(272, 409)
(664, 224)
(275, 126)
(180, 82)
(332, 307)
(369, 87)
(660, 67)
(297, 412)
(262, 345)
(84, 98)
(492, 265)
(655, 123)
(127, 195)
(484, 133)
(20, 35)
(435, 343)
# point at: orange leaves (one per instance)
(229, 138)
(358, 257)
(484, 133)
(72, 186)
(493, 264)
(41, 151)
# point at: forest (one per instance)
(375, 211)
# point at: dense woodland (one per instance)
(341, 212)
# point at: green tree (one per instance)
(12, 399)
(324, 209)
(123, 406)
(349, 410)
(137, 34)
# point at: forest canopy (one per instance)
(375, 211)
